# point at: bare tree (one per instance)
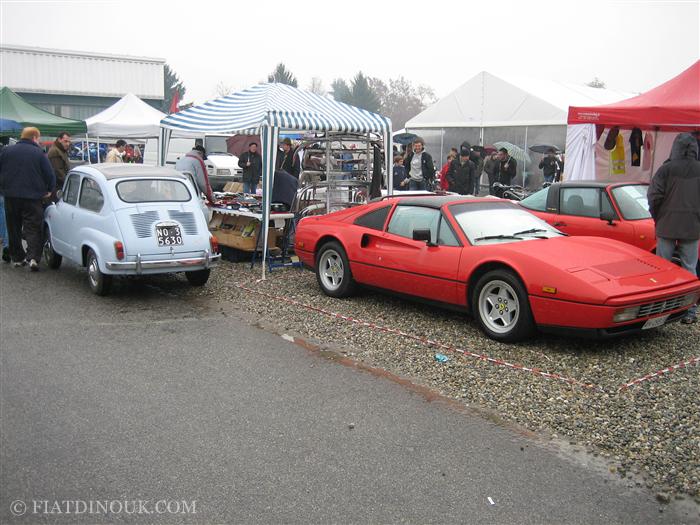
(596, 83)
(316, 86)
(222, 89)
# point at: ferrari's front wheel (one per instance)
(333, 271)
(501, 307)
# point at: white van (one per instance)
(222, 167)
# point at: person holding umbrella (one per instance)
(506, 167)
(550, 165)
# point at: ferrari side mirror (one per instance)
(423, 235)
(607, 216)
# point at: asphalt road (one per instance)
(154, 394)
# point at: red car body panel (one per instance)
(640, 232)
(593, 277)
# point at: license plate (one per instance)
(168, 235)
(656, 321)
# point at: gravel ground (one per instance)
(649, 433)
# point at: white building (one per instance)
(77, 84)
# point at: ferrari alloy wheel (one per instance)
(53, 260)
(501, 307)
(333, 271)
(99, 282)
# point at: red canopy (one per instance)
(672, 106)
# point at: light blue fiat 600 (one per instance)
(126, 219)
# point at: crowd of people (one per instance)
(461, 173)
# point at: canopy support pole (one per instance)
(328, 172)
(389, 160)
(268, 137)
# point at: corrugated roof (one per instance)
(53, 71)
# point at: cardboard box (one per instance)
(234, 187)
(240, 232)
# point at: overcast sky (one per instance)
(632, 45)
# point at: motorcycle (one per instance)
(514, 192)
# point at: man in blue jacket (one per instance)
(26, 177)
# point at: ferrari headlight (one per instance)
(626, 314)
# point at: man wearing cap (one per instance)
(461, 173)
(251, 162)
(419, 166)
(287, 160)
(193, 163)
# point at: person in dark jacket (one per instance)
(491, 167)
(284, 188)
(287, 160)
(251, 162)
(550, 166)
(506, 167)
(674, 204)
(58, 157)
(419, 165)
(478, 161)
(26, 177)
(461, 173)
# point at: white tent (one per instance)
(487, 101)
(128, 118)
(523, 111)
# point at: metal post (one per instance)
(525, 150)
(328, 172)
(369, 172)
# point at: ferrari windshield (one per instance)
(500, 222)
(632, 201)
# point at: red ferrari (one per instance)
(514, 272)
(617, 210)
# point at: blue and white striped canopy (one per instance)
(274, 105)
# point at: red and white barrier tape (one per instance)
(665, 371)
(424, 340)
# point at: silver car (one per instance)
(126, 219)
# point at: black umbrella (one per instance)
(404, 138)
(544, 148)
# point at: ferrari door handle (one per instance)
(559, 224)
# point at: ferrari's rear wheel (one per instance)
(501, 307)
(333, 271)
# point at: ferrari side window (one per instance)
(374, 219)
(605, 204)
(406, 219)
(583, 202)
(446, 237)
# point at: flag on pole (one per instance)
(174, 103)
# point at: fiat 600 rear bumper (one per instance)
(139, 265)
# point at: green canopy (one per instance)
(14, 107)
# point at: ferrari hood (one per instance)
(595, 269)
